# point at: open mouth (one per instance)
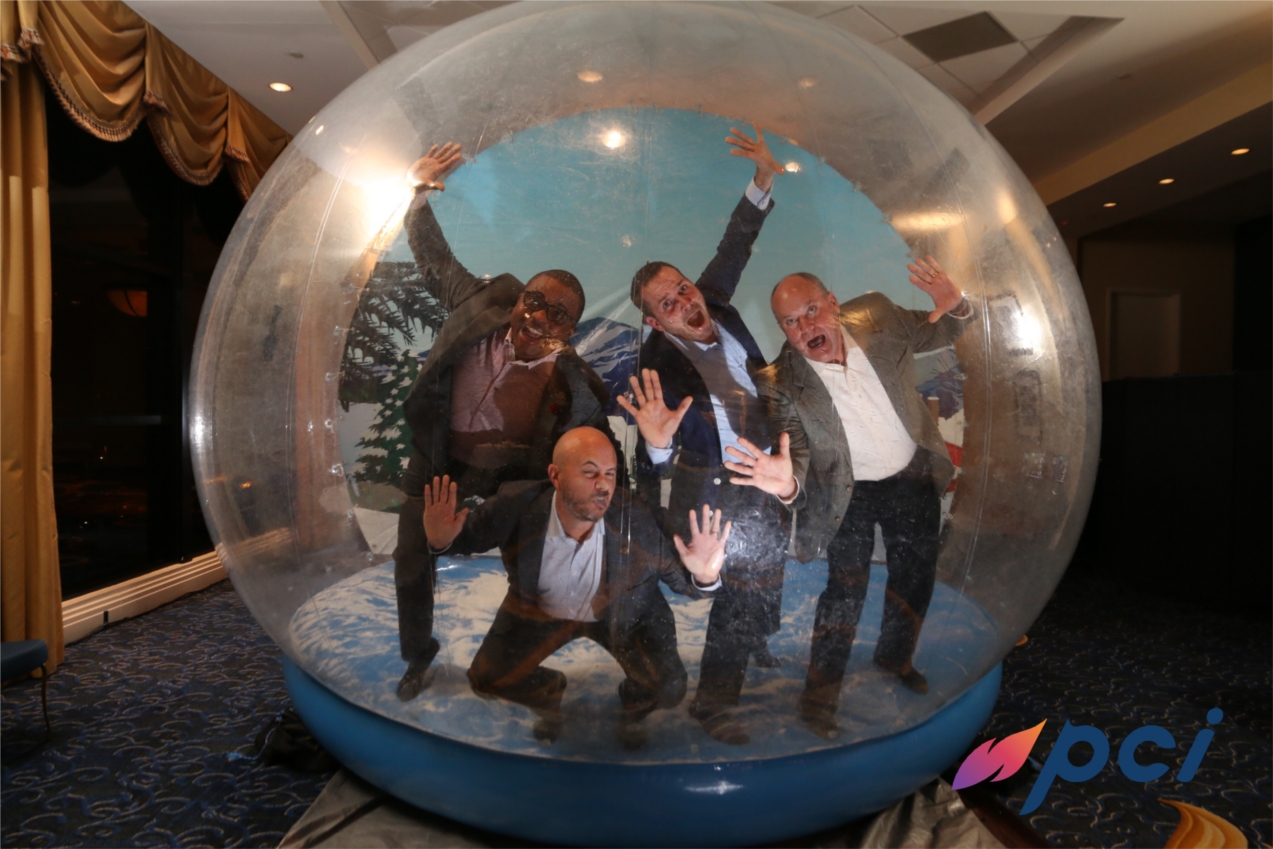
(697, 320)
(816, 342)
(531, 334)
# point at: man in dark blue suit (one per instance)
(697, 398)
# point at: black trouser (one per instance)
(522, 636)
(748, 606)
(908, 511)
(415, 570)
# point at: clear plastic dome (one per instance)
(595, 136)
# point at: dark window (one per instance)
(134, 249)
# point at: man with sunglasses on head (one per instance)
(500, 386)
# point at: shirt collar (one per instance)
(692, 349)
(510, 353)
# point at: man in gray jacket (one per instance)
(859, 447)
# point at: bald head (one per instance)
(583, 470)
(809, 316)
(583, 442)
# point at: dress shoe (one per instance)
(632, 734)
(911, 679)
(820, 719)
(417, 679)
(547, 729)
(762, 659)
(721, 725)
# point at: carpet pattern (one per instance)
(153, 724)
(1103, 656)
(154, 719)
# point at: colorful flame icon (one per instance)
(997, 760)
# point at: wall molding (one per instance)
(88, 613)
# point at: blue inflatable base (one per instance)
(669, 804)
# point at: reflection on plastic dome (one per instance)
(601, 322)
(489, 221)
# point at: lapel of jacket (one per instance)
(530, 544)
(473, 321)
(882, 355)
(810, 396)
(680, 377)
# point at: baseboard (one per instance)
(91, 612)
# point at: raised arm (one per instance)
(951, 310)
(492, 523)
(445, 277)
(726, 268)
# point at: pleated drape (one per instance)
(30, 586)
(109, 70)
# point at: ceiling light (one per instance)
(1241, 151)
(792, 167)
(1166, 181)
(614, 139)
(590, 76)
(280, 86)
(807, 82)
(1110, 205)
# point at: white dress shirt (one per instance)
(570, 572)
(879, 443)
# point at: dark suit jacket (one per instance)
(800, 404)
(696, 477)
(574, 395)
(515, 520)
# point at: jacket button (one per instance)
(716, 481)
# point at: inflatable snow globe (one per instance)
(549, 664)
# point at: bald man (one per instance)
(577, 567)
(858, 447)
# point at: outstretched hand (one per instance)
(656, 421)
(434, 165)
(705, 555)
(757, 151)
(936, 283)
(441, 523)
(771, 473)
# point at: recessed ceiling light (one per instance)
(590, 76)
(1166, 181)
(1241, 151)
(1110, 204)
(792, 167)
(280, 86)
(319, 131)
(614, 139)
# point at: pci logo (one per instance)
(997, 760)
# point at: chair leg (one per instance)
(44, 697)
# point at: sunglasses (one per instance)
(535, 302)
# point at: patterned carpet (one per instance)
(153, 724)
(154, 720)
(1103, 656)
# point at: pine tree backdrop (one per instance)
(381, 362)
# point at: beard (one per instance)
(590, 509)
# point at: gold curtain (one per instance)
(108, 69)
(30, 586)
